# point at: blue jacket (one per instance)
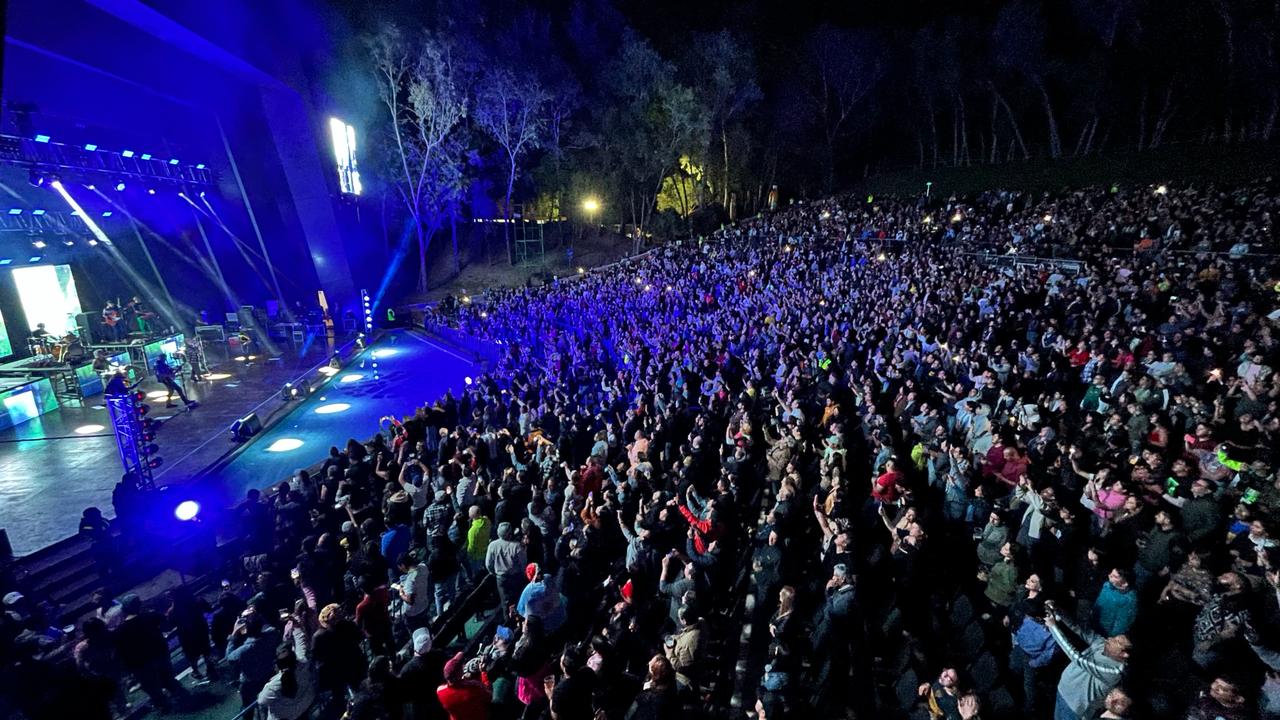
(395, 542)
(1114, 611)
(1036, 641)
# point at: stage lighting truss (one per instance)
(46, 222)
(135, 435)
(53, 156)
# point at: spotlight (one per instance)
(69, 243)
(187, 510)
(126, 153)
(201, 193)
(90, 147)
(467, 380)
(15, 211)
(42, 138)
(285, 445)
(107, 213)
(119, 187)
(38, 244)
(1161, 190)
(37, 211)
(173, 161)
(91, 186)
(35, 259)
(93, 243)
(6, 261)
(200, 166)
(146, 156)
(151, 191)
(37, 179)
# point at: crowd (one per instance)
(1005, 456)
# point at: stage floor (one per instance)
(49, 473)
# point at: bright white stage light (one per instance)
(385, 352)
(352, 377)
(187, 510)
(156, 394)
(285, 445)
(89, 429)
(332, 408)
(218, 376)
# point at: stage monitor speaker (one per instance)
(87, 326)
(211, 334)
(246, 427)
(245, 315)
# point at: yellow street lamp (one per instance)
(591, 205)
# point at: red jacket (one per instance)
(467, 701)
(707, 531)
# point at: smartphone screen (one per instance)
(1171, 486)
(1250, 496)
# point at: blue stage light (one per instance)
(106, 213)
(6, 261)
(146, 156)
(187, 510)
(42, 138)
(384, 352)
(90, 147)
(126, 153)
(15, 211)
(173, 161)
(119, 187)
(37, 211)
(199, 166)
(352, 377)
(468, 380)
(151, 191)
(35, 258)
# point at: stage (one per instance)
(57, 464)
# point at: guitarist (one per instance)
(111, 317)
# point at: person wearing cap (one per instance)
(685, 647)
(541, 599)
(420, 677)
(463, 697)
(438, 516)
(506, 560)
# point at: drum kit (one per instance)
(46, 351)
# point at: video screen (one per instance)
(6, 348)
(48, 295)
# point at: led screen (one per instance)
(48, 295)
(344, 151)
(6, 348)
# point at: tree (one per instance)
(843, 67)
(417, 83)
(650, 120)
(725, 77)
(512, 110)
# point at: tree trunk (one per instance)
(1013, 122)
(724, 143)
(995, 138)
(1055, 143)
(964, 129)
(1167, 110)
(422, 254)
(933, 128)
(955, 136)
(511, 184)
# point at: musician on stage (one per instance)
(166, 374)
(112, 317)
(194, 350)
(139, 314)
(101, 363)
